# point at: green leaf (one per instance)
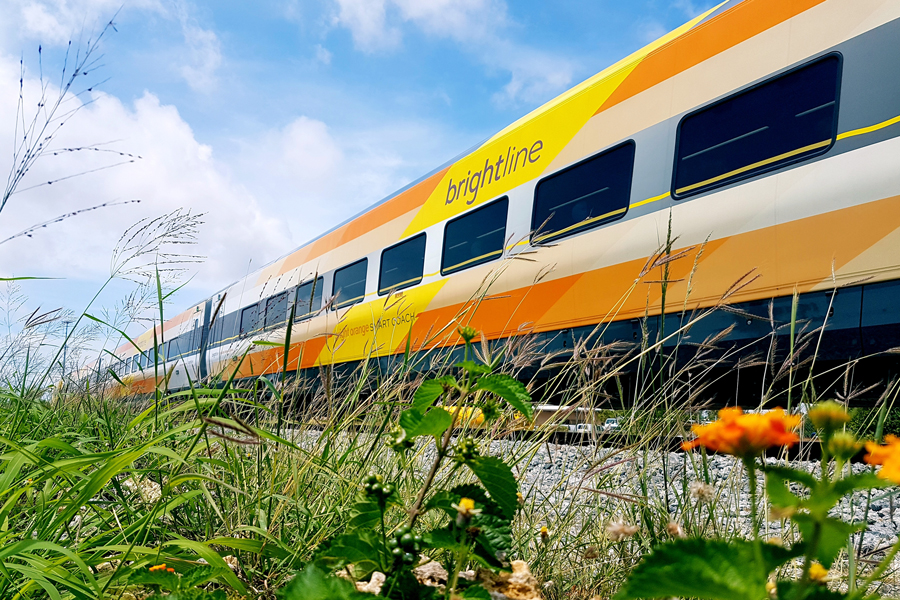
(443, 539)
(358, 549)
(435, 422)
(497, 478)
(789, 474)
(510, 389)
(788, 589)
(494, 541)
(429, 391)
(860, 481)
(164, 579)
(832, 538)
(473, 367)
(475, 592)
(710, 569)
(364, 514)
(314, 584)
(199, 575)
(778, 491)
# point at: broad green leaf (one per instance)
(494, 540)
(497, 478)
(199, 575)
(313, 583)
(357, 549)
(778, 491)
(832, 538)
(444, 539)
(860, 481)
(510, 389)
(709, 569)
(788, 589)
(364, 514)
(473, 367)
(429, 391)
(789, 474)
(435, 422)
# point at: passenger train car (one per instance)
(766, 131)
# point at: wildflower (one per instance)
(775, 541)
(843, 445)
(828, 415)
(161, 567)
(702, 491)
(772, 589)
(818, 573)
(466, 510)
(746, 435)
(520, 498)
(620, 530)
(467, 333)
(888, 456)
(675, 530)
(545, 534)
(591, 552)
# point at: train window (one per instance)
(402, 265)
(593, 192)
(350, 283)
(276, 309)
(249, 319)
(309, 299)
(475, 238)
(784, 120)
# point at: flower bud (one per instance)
(818, 573)
(620, 530)
(828, 415)
(843, 445)
(467, 333)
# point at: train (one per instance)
(763, 134)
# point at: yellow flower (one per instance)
(545, 534)
(466, 509)
(817, 573)
(746, 435)
(887, 456)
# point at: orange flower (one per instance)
(746, 435)
(161, 567)
(888, 456)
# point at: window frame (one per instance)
(274, 298)
(768, 168)
(576, 229)
(410, 282)
(318, 285)
(355, 299)
(241, 331)
(445, 271)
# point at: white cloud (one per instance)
(323, 55)
(477, 25)
(367, 22)
(175, 171)
(57, 21)
(203, 57)
(314, 177)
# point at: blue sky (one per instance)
(281, 118)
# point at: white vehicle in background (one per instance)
(611, 424)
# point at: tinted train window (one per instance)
(402, 265)
(786, 119)
(250, 319)
(350, 283)
(276, 309)
(585, 195)
(309, 299)
(475, 238)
